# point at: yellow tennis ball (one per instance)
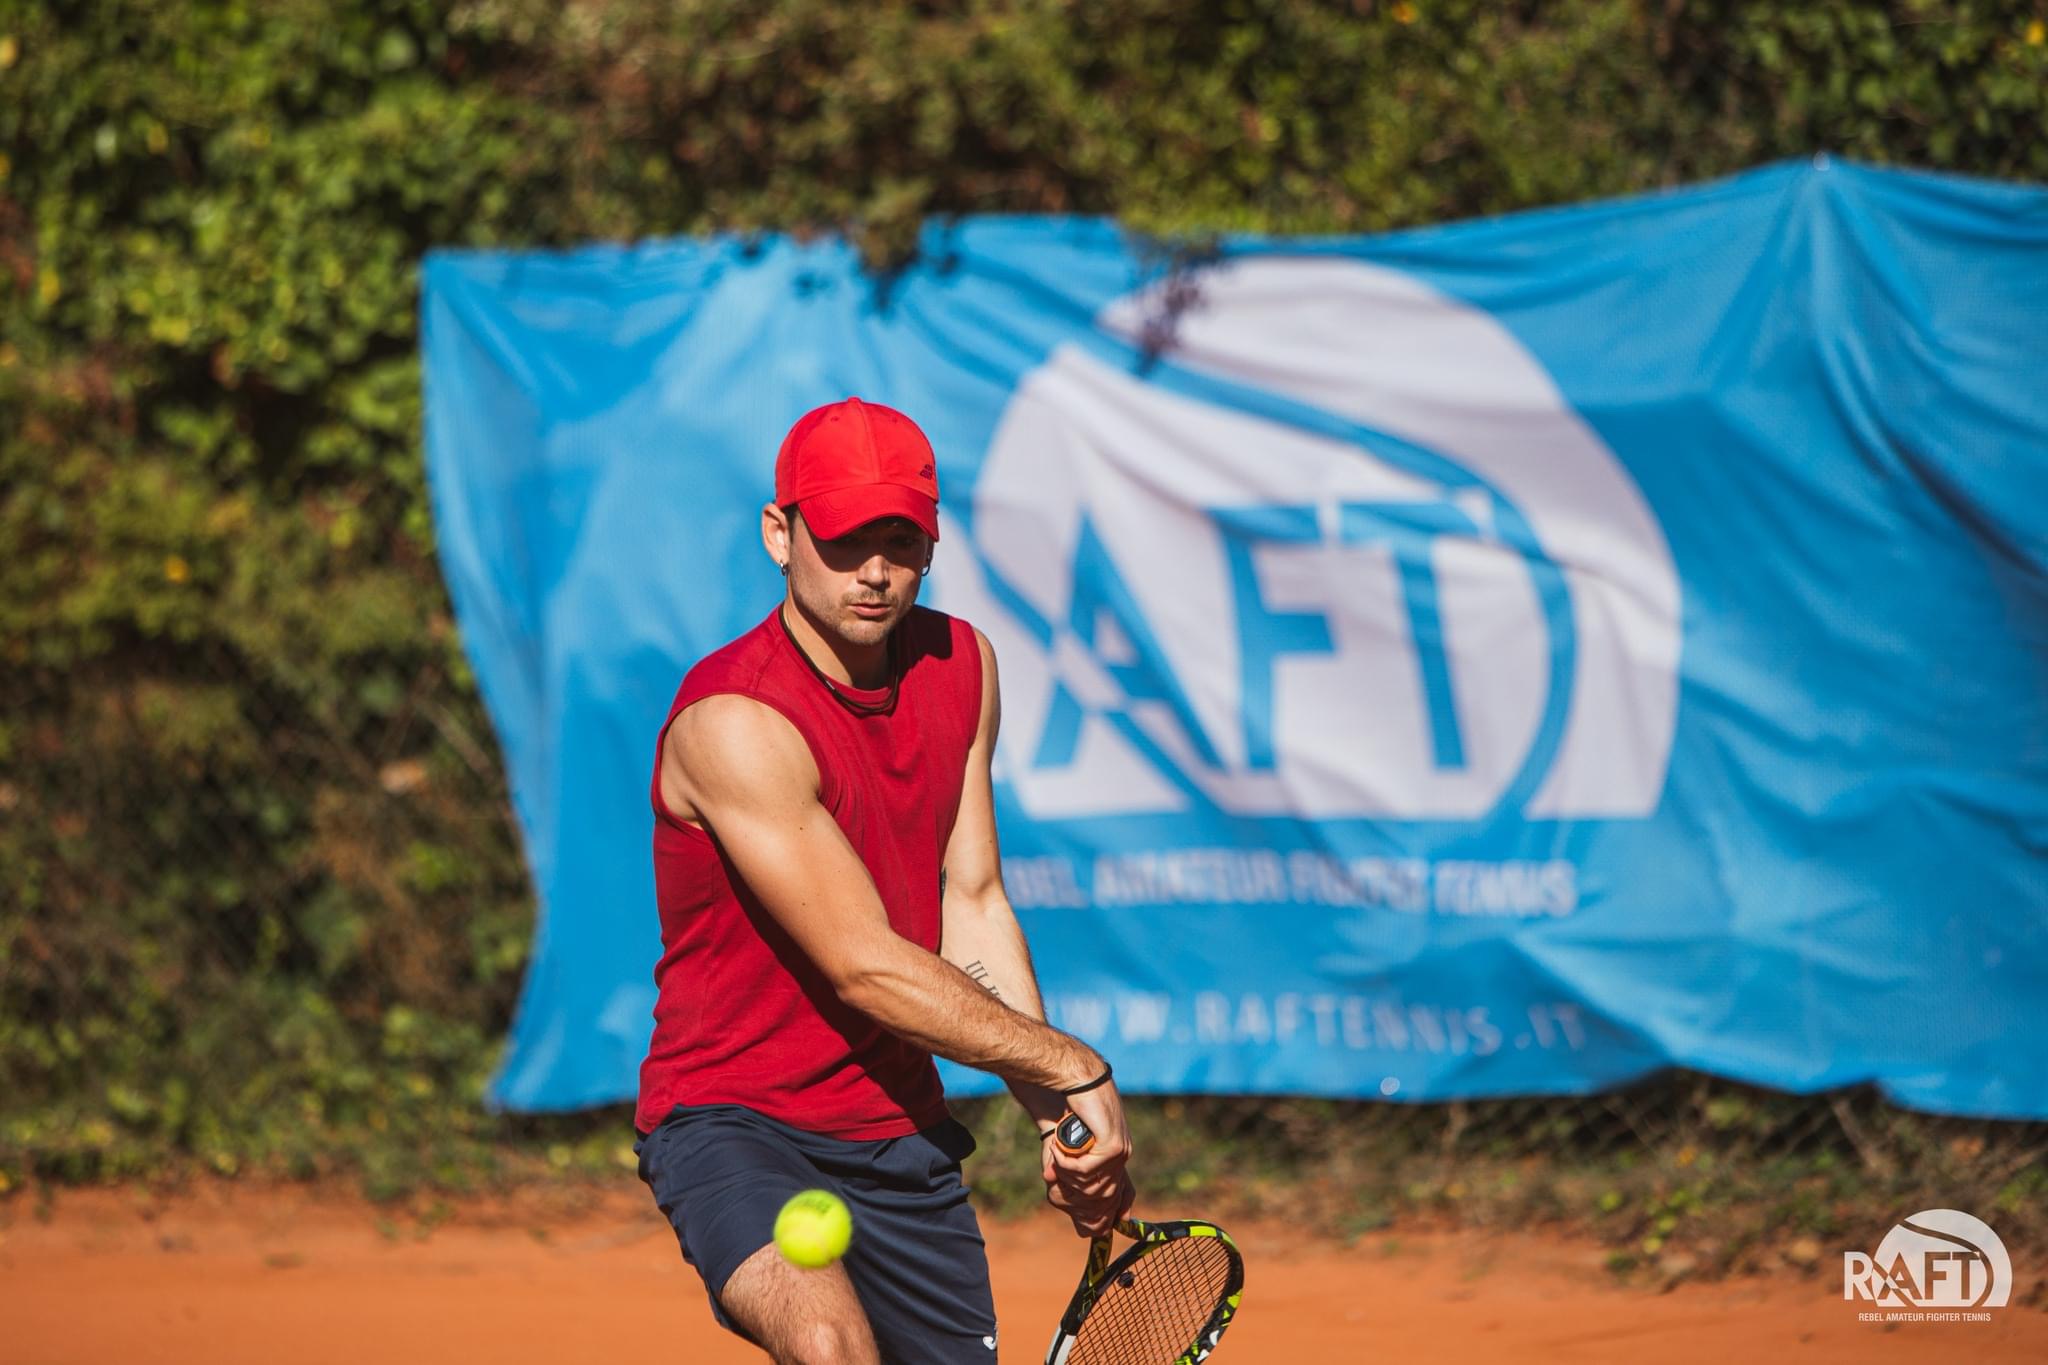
(813, 1229)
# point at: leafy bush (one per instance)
(262, 900)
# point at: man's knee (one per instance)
(828, 1343)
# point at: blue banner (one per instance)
(1505, 658)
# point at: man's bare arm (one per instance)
(981, 935)
(740, 769)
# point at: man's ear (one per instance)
(776, 535)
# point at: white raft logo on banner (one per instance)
(1343, 552)
(1940, 1265)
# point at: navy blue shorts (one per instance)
(721, 1172)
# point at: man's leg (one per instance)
(799, 1316)
(720, 1174)
(914, 1284)
(917, 1259)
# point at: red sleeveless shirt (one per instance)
(741, 1015)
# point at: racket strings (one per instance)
(1172, 1291)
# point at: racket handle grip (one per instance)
(1071, 1135)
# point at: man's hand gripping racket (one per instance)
(1164, 1301)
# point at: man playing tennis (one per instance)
(832, 916)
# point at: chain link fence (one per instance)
(265, 904)
(266, 912)
(1677, 1175)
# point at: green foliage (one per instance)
(262, 902)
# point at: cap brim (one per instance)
(832, 515)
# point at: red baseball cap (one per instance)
(849, 463)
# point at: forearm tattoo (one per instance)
(981, 977)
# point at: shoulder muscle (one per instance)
(729, 750)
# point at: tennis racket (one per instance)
(1164, 1301)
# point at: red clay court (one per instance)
(236, 1276)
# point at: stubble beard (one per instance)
(835, 616)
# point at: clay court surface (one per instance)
(228, 1274)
